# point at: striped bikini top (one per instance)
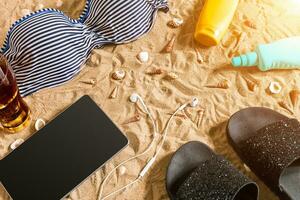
(46, 48)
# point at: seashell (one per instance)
(143, 56)
(39, 124)
(40, 6)
(222, 85)
(170, 45)
(250, 24)
(133, 119)
(114, 93)
(294, 96)
(175, 22)
(179, 115)
(95, 60)
(122, 170)
(250, 84)
(275, 88)
(250, 78)
(25, 12)
(155, 71)
(59, 3)
(247, 168)
(285, 106)
(200, 118)
(171, 76)
(16, 144)
(199, 56)
(119, 74)
(90, 82)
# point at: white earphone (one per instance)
(194, 102)
(135, 98)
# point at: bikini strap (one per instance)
(159, 4)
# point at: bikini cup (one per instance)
(47, 48)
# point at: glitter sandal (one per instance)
(195, 172)
(269, 143)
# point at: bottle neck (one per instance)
(245, 60)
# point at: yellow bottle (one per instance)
(214, 20)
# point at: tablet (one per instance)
(62, 154)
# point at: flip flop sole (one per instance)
(244, 125)
(185, 163)
(248, 121)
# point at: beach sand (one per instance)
(272, 20)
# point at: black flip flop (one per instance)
(269, 143)
(195, 172)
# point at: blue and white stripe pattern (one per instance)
(47, 48)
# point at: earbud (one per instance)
(194, 102)
(134, 97)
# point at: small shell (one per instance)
(114, 93)
(247, 168)
(155, 71)
(250, 78)
(40, 6)
(95, 60)
(133, 119)
(200, 118)
(285, 106)
(250, 84)
(119, 74)
(275, 88)
(199, 57)
(294, 96)
(59, 3)
(39, 124)
(222, 85)
(171, 76)
(122, 170)
(175, 22)
(170, 45)
(25, 12)
(16, 143)
(143, 56)
(90, 82)
(250, 24)
(179, 115)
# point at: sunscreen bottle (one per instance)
(283, 54)
(214, 20)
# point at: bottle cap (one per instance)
(207, 36)
(246, 60)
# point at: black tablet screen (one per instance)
(62, 154)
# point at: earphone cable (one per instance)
(151, 161)
(165, 132)
(132, 158)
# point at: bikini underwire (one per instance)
(47, 48)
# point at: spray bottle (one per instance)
(214, 21)
(282, 54)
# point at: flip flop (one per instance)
(195, 172)
(269, 143)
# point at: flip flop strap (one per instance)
(214, 179)
(272, 149)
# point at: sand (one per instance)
(272, 20)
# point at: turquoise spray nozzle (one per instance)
(246, 60)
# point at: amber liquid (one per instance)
(14, 112)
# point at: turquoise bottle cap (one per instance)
(246, 60)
